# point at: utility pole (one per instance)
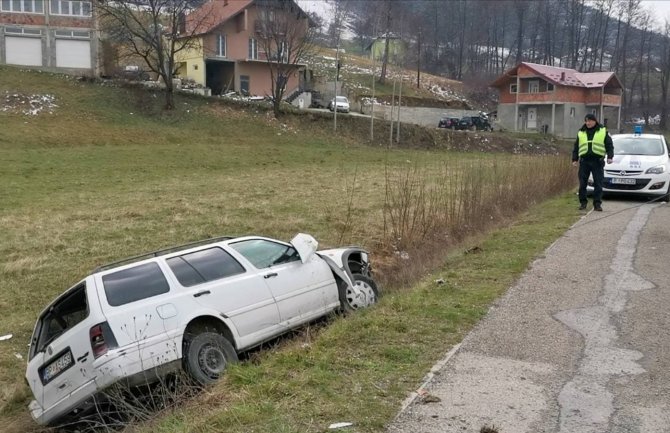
(337, 73)
(392, 104)
(397, 135)
(372, 101)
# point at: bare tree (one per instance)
(387, 36)
(155, 31)
(285, 35)
(520, 9)
(665, 74)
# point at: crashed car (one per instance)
(192, 307)
(641, 166)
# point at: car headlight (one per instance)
(656, 170)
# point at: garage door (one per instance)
(73, 53)
(23, 51)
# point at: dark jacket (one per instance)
(609, 147)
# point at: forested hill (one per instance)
(475, 40)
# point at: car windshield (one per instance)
(638, 146)
(342, 99)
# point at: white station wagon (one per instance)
(193, 307)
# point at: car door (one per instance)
(60, 351)
(216, 279)
(300, 289)
(143, 311)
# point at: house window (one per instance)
(550, 87)
(72, 34)
(533, 86)
(73, 8)
(221, 45)
(23, 31)
(266, 15)
(26, 6)
(282, 53)
(512, 88)
(253, 49)
(572, 111)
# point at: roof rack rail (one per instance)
(161, 252)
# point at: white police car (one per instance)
(640, 166)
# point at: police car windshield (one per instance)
(638, 146)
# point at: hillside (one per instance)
(356, 74)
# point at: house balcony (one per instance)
(535, 98)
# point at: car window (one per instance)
(638, 146)
(342, 99)
(262, 253)
(134, 284)
(61, 316)
(202, 266)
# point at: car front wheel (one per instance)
(207, 355)
(365, 293)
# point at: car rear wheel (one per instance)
(207, 355)
(363, 295)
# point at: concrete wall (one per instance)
(424, 116)
(259, 78)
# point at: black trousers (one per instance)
(595, 167)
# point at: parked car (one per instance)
(193, 307)
(474, 123)
(448, 122)
(317, 101)
(342, 104)
(640, 166)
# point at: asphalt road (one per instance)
(581, 344)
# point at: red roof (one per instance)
(212, 14)
(562, 76)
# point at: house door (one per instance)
(244, 85)
(532, 118)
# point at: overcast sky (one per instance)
(660, 9)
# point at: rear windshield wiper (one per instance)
(52, 338)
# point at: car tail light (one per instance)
(102, 339)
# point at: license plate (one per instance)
(623, 181)
(56, 367)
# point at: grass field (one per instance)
(106, 176)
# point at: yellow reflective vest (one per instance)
(597, 144)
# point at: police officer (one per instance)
(593, 143)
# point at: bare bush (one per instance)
(428, 208)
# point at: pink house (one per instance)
(537, 97)
(230, 56)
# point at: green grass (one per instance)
(107, 176)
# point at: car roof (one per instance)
(656, 136)
(161, 252)
(176, 250)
